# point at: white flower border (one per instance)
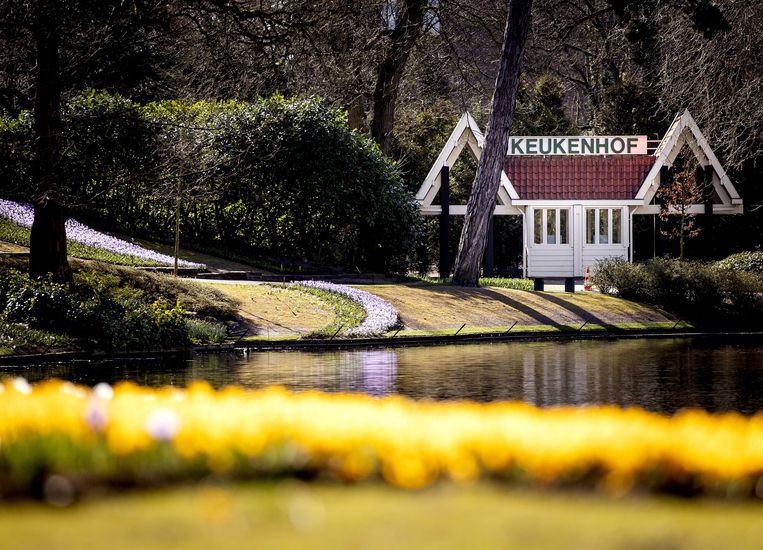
(381, 316)
(23, 214)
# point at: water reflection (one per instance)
(661, 375)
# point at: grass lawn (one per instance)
(434, 307)
(293, 515)
(271, 311)
(439, 310)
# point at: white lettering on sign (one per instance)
(577, 145)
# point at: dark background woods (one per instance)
(402, 70)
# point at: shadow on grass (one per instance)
(521, 307)
(575, 309)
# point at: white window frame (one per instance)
(544, 226)
(597, 224)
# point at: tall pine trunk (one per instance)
(479, 209)
(409, 22)
(47, 243)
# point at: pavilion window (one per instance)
(616, 226)
(551, 226)
(603, 214)
(604, 226)
(538, 227)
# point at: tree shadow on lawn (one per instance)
(583, 313)
(521, 307)
(478, 296)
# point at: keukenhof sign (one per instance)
(578, 145)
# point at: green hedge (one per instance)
(285, 179)
(704, 292)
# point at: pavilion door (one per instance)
(577, 240)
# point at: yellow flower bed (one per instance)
(130, 431)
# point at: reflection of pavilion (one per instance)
(564, 374)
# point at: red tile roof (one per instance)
(578, 177)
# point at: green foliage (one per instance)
(704, 292)
(205, 302)
(95, 310)
(540, 110)
(420, 136)
(111, 309)
(289, 178)
(498, 282)
(16, 150)
(200, 331)
(308, 184)
(628, 108)
(750, 262)
(19, 340)
(501, 282)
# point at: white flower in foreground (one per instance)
(163, 424)
(23, 214)
(380, 314)
(103, 391)
(21, 385)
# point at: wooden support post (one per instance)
(665, 179)
(445, 259)
(488, 266)
(569, 284)
(707, 221)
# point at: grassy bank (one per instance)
(431, 307)
(292, 515)
(17, 237)
(440, 310)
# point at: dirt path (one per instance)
(11, 247)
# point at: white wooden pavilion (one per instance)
(577, 195)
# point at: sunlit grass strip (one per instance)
(532, 329)
(135, 434)
(496, 282)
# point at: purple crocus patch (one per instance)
(381, 316)
(23, 214)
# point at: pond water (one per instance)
(661, 375)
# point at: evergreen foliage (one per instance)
(279, 177)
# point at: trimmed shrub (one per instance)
(751, 262)
(704, 292)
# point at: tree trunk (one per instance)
(47, 243)
(177, 235)
(479, 209)
(409, 21)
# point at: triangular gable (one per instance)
(684, 130)
(465, 133)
